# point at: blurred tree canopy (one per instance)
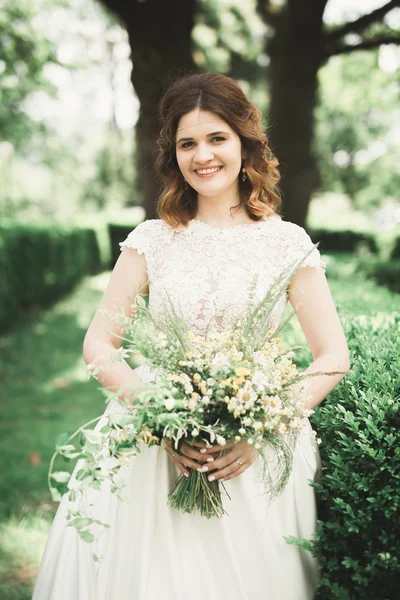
(23, 56)
(298, 44)
(329, 129)
(355, 138)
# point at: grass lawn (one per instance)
(46, 391)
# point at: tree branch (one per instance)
(362, 23)
(374, 42)
(269, 13)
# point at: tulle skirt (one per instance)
(153, 551)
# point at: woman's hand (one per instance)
(190, 457)
(238, 456)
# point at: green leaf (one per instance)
(61, 476)
(80, 522)
(55, 494)
(93, 437)
(87, 536)
(62, 440)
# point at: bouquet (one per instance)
(225, 386)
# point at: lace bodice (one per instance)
(207, 270)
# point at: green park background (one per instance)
(76, 131)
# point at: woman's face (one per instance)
(209, 153)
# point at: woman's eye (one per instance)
(217, 138)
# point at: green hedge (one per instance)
(395, 254)
(342, 240)
(117, 233)
(383, 272)
(358, 534)
(40, 263)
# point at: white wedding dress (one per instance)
(152, 551)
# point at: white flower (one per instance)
(192, 405)
(242, 431)
(257, 425)
(221, 440)
(161, 340)
(259, 358)
(259, 378)
(195, 432)
(169, 403)
(205, 400)
(219, 363)
(247, 421)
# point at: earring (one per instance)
(244, 176)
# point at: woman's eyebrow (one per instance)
(208, 135)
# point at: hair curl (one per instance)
(222, 96)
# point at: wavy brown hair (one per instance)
(222, 96)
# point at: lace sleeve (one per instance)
(138, 238)
(300, 244)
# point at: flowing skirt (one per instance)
(152, 550)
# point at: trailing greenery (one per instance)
(358, 534)
(55, 395)
(40, 263)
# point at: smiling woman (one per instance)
(213, 153)
(208, 265)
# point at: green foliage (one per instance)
(229, 38)
(356, 150)
(358, 534)
(117, 233)
(23, 55)
(38, 264)
(343, 240)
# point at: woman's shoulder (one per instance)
(295, 243)
(142, 235)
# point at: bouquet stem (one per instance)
(196, 494)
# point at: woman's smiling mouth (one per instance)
(207, 172)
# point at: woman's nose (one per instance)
(203, 153)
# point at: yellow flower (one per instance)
(196, 377)
(240, 371)
(147, 436)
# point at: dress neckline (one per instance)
(232, 227)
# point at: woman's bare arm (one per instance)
(104, 335)
(310, 296)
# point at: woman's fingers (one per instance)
(227, 459)
(188, 450)
(215, 447)
(167, 445)
(231, 470)
(228, 467)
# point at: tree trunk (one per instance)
(296, 53)
(161, 48)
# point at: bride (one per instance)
(218, 226)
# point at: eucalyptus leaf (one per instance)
(61, 476)
(87, 536)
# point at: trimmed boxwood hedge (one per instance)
(395, 254)
(342, 240)
(40, 263)
(358, 533)
(117, 232)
